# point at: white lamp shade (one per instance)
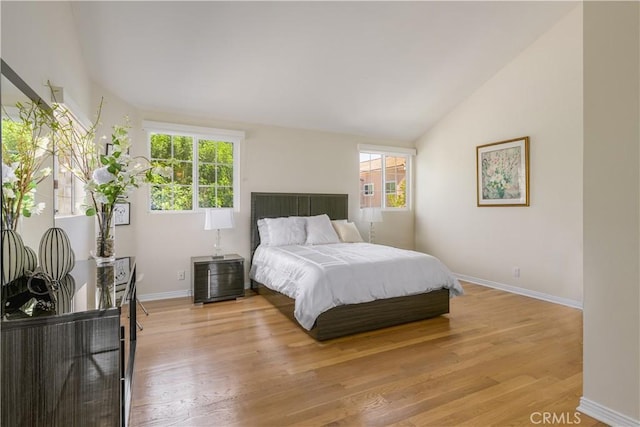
(216, 219)
(371, 215)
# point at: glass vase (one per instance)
(105, 251)
(105, 286)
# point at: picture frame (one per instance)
(122, 271)
(122, 213)
(502, 173)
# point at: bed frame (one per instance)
(346, 319)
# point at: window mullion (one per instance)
(383, 189)
(173, 175)
(195, 178)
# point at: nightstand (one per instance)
(217, 279)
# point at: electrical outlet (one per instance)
(181, 275)
(516, 272)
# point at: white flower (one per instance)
(102, 175)
(45, 171)
(101, 198)
(9, 173)
(8, 193)
(38, 208)
(89, 187)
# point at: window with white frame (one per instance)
(388, 168)
(390, 187)
(68, 188)
(205, 167)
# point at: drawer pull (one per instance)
(209, 283)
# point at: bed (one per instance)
(339, 319)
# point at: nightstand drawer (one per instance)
(217, 279)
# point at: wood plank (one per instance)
(494, 360)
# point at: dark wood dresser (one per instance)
(68, 353)
(217, 279)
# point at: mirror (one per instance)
(13, 89)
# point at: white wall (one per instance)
(273, 159)
(538, 94)
(611, 390)
(40, 43)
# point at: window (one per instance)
(388, 165)
(390, 187)
(68, 189)
(64, 185)
(205, 167)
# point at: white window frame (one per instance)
(395, 187)
(390, 151)
(364, 189)
(60, 97)
(14, 114)
(197, 132)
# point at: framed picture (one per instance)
(122, 214)
(122, 271)
(503, 173)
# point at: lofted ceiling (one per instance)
(380, 69)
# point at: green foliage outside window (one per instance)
(215, 171)
(399, 199)
(214, 165)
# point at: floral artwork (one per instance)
(503, 173)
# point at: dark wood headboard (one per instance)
(274, 205)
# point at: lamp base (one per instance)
(217, 256)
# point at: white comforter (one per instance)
(324, 276)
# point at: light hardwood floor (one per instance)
(497, 359)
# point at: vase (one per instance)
(55, 253)
(30, 260)
(64, 294)
(105, 286)
(8, 222)
(13, 255)
(105, 251)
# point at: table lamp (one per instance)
(371, 215)
(217, 219)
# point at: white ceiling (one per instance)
(381, 69)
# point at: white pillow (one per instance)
(320, 231)
(348, 232)
(263, 231)
(282, 231)
(334, 222)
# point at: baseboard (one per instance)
(521, 291)
(164, 295)
(606, 415)
(172, 294)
